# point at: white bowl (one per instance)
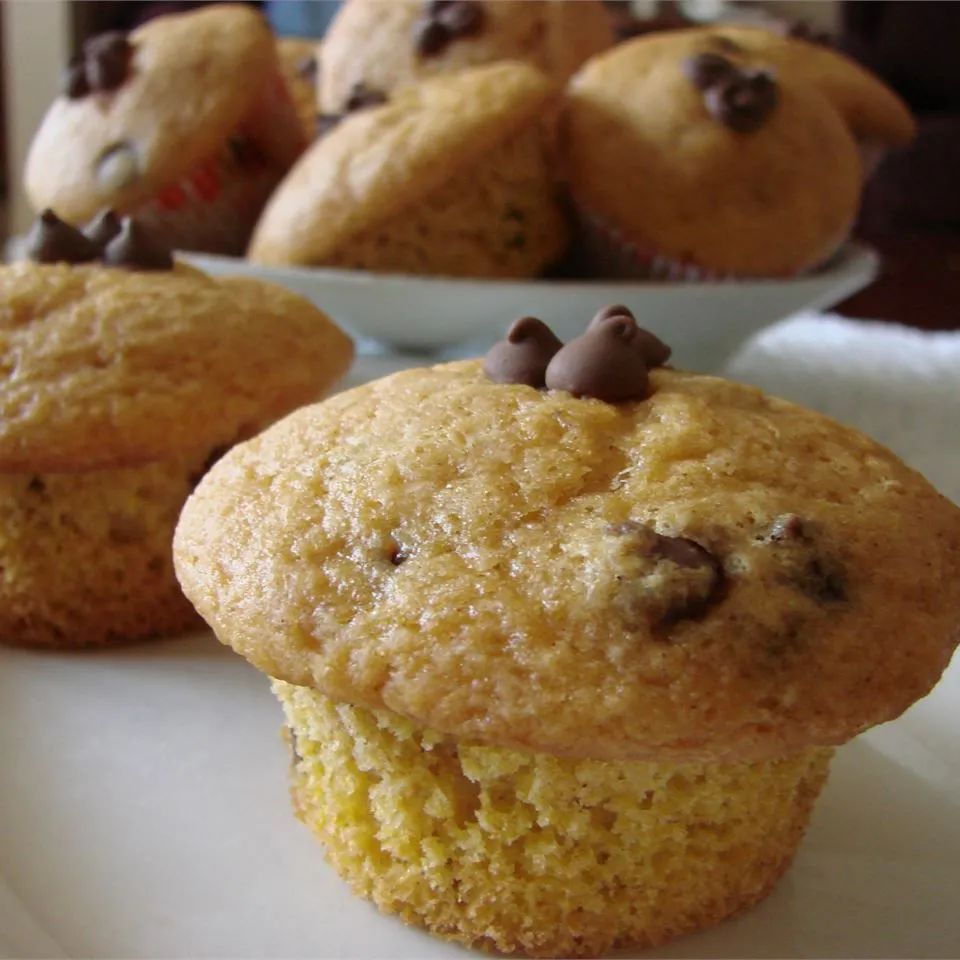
(703, 322)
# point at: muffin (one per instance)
(125, 377)
(565, 639)
(300, 64)
(687, 163)
(450, 176)
(187, 123)
(384, 43)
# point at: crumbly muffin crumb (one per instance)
(533, 853)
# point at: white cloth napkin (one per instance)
(899, 385)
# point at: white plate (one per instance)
(703, 322)
(144, 813)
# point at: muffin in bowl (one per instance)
(453, 176)
(719, 153)
(187, 122)
(125, 376)
(565, 640)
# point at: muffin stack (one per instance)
(696, 154)
(472, 139)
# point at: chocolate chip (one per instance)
(117, 167)
(397, 556)
(107, 58)
(655, 351)
(523, 355)
(463, 18)
(103, 228)
(678, 596)
(430, 37)
(103, 65)
(50, 240)
(706, 70)
(823, 581)
(361, 96)
(445, 21)
(743, 102)
(684, 552)
(133, 247)
(804, 563)
(607, 362)
(36, 485)
(74, 79)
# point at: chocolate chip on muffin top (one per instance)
(135, 248)
(609, 361)
(103, 228)
(51, 240)
(523, 355)
(114, 242)
(740, 99)
(445, 21)
(102, 65)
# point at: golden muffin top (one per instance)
(873, 112)
(139, 111)
(381, 44)
(719, 161)
(107, 366)
(698, 571)
(387, 157)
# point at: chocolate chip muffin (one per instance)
(124, 377)
(186, 122)
(384, 43)
(565, 639)
(450, 176)
(689, 159)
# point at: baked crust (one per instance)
(471, 555)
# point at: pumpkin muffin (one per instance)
(684, 162)
(449, 176)
(125, 376)
(186, 122)
(381, 44)
(565, 639)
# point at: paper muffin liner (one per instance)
(215, 205)
(601, 250)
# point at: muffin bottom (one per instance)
(532, 853)
(86, 559)
(497, 217)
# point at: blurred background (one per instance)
(911, 210)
